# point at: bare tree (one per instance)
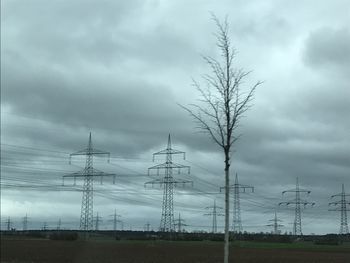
(221, 106)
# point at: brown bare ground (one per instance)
(21, 251)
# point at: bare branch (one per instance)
(203, 123)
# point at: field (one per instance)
(103, 251)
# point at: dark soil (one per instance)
(20, 251)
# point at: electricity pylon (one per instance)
(59, 224)
(168, 182)
(343, 203)
(214, 214)
(25, 223)
(45, 226)
(297, 202)
(237, 189)
(147, 227)
(98, 219)
(179, 223)
(88, 173)
(275, 225)
(8, 224)
(115, 220)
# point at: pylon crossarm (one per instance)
(115, 216)
(97, 172)
(304, 191)
(82, 152)
(169, 165)
(163, 181)
(170, 151)
(337, 195)
(99, 152)
(94, 173)
(89, 151)
(309, 203)
(296, 190)
(247, 187)
(212, 207)
(241, 187)
(154, 182)
(182, 182)
(75, 174)
(284, 203)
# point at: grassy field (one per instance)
(103, 251)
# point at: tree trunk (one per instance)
(227, 209)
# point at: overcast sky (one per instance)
(120, 68)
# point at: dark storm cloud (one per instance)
(66, 69)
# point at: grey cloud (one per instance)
(328, 47)
(94, 34)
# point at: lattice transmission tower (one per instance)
(59, 224)
(168, 182)
(98, 220)
(45, 226)
(8, 224)
(180, 223)
(214, 214)
(88, 173)
(25, 223)
(116, 220)
(298, 203)
(343, 203)
(237, 189)
(275, 225)
(147, 227)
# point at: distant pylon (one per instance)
(180, 224)
(88, 173)
(25, 223)
(167, 223)
(115, 220)
(343, 203)
(297, 202)
(214, 214)
(147, 227)
(59, 223)
(275, 225)
(98, 219)
(237, 189)
(8, 224)
(44, 227)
